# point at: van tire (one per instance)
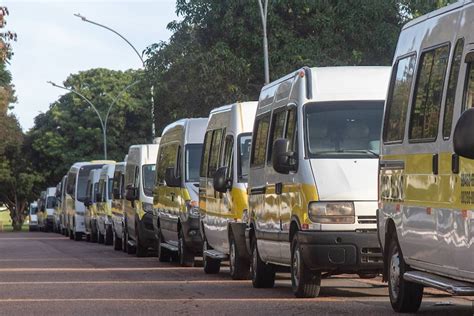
(109, 238)
(163, 254)
(117, 242)
(71, 234)
(142, 250)
(130, 249)
(263, 275)
(210, 265)
(100, 237)
(88, 237)
(304, 282)
(239, 268)
(124, 240)
(185, 255)
(405, 296)
(77, 236)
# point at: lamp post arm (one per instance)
(116, 99)
(83, 18)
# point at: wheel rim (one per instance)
(296, 267)
(395, 274)
(232, 257)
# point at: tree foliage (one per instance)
(215, 54)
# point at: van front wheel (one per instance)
(263, 275)
(239, 267)
(185, 255)
(211, 265)
(405, 296)
(304, 282)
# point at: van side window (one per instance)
(451, 92)
(71, 183)
(291, 129)
(205, 154)
(228, 154)
(214, 153)
(397, 102)
(178, 162)
(469, 88)
(277, 128)
(429, 91)
(167, 158)
(136, 182)
(260, 137)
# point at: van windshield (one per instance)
(51, 202)
(344, 129)
(33, 210)
(149, 179)
(245, 144)
(82, 181)
(193, 162)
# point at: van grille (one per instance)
(367, 219)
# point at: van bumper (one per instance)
(147, 231)
(341, 252)
(192, 233)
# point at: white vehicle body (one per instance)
(104, 209)
(425, 179)
(90, 216)
(75, 194)
(319, 204)
(33, 214)
(139, 178)
(221, 210)
(62, 206)
(118, 196)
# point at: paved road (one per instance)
(48, 274)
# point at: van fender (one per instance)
(390, 232)
(295, 226)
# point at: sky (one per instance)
(53, 43)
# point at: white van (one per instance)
(425, 219)
(176, 194)
(118, 203)
(313, 176)
(75, 195)
(90, 202)
(33, 216)
(104, 204)
(138, 210)
(62, 206)
(223, 187)
(50, 205)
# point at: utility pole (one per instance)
(263, 14)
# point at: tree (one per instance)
(214, 55)
(70, 130)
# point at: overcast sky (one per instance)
(52, 43)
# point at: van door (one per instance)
(226, 207)
(274, 188)
(423, 159)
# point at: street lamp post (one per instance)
(83, 18)
(263, 14)
(103, 122)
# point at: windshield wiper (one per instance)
(359, 151)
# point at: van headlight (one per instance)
(331, 212)
(193, 208)
(148, 207)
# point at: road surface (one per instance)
(48, 274)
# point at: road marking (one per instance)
(127, 282)
(31, 238)
(171, 300)
(95, 269)
(76, 259)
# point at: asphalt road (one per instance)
(48, 274)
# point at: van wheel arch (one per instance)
(294, 227)
(390, 233)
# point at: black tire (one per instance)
(263, 275)
(109, 237)
(88, 237)
(77, 236)
(130, 249)
(304, 282)
(185, 255)
(100, 237)
(164, 255)
(211, 265)
(71, 234)
(117, 242)
(142, 251)
(124, 240)
(239, 267)
(405, 296)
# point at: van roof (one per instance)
(194, 129)
(437, 12)
(142, 154)
(244, 112)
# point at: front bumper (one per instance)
(341, 252)
(192, 234)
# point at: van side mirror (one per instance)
(131, 193)
(463, 138)
(171, 179)
(117, 194)
(87, 202)
(283, 160)
(221, 183)
(98, 197)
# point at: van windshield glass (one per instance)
(82, 181)
(245, 144)
(33, 210)
(344, 129)
(149, 179)
(193, 162)
(50, 202)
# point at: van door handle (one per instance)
(279, 188)
(455, 163)
(435, 163)
(172, 194)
